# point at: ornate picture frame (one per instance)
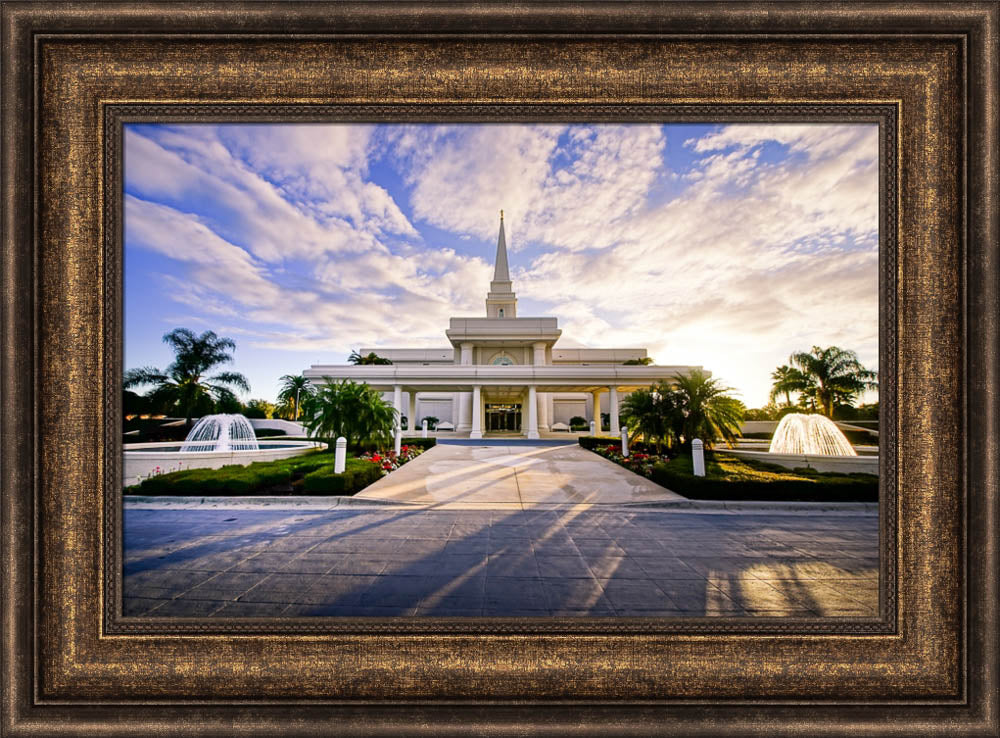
(74, 74)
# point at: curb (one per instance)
(137, 502)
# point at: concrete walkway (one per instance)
(515, 477)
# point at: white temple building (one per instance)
(503, 374)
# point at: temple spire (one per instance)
(501, 301)
(500, 270)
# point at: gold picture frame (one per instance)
(73, 74)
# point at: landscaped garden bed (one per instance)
(729, 478)
(310, 474)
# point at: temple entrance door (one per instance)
(503, 418)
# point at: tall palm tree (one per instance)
(787, 380)
(709, 413)
(354, 411)
(836, 376)
(293, 388)
(370, 358)
(653, 414)
(184, 385)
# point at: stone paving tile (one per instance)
(140, 605)
(619, 567)
(512, 565)
(186, 608)
(251, 610)
(633, 595)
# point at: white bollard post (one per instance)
(424, 431)
(625, 441)
(592, 428)
(398, 441)
(340, 456)
(698, 457)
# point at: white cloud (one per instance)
(575, 195)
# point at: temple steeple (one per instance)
(500, 300)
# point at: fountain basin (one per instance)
(146, 459)
(817, 462)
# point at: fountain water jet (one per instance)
(810, 434)
(221, 433)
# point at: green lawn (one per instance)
(310, 474)
(729, 478)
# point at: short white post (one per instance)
(423, 431)
(592, 428)
(397, 442)
(625, 441)
(698, 457)
(340, 456)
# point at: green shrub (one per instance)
(577, 420)
(357, 475)
(729, 478)
(421, 443)
(592, 442)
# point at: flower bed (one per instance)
(730, 478)
(639, 462)
(390, 461)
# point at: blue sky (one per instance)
(726, 246)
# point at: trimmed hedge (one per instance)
(357, 475)
(419, 442)
(729, 478)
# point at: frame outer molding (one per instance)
(976, 714)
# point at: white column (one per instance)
(397, 402)
(463, 423)
(613, 409)
(597, 412)
(477, 413)
(412, 416)
(532, 413)
(543, 412)
(543, 397)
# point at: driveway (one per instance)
(515, 477)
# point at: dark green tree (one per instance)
(352, 410)
(834, 377)
(184, 385)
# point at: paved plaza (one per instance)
(575, 560)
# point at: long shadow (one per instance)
(441, 583)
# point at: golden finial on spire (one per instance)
(501, 215)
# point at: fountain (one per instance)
(815, 435)
(221, 433)
(810, 441)
(213, 442)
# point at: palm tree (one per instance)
(184, 385)
(293, 388)
(354, 411)
(835, 375)
(653, 415)
(709, 413)
(371, 358)
(787, 380)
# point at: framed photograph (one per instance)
(563, 368)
